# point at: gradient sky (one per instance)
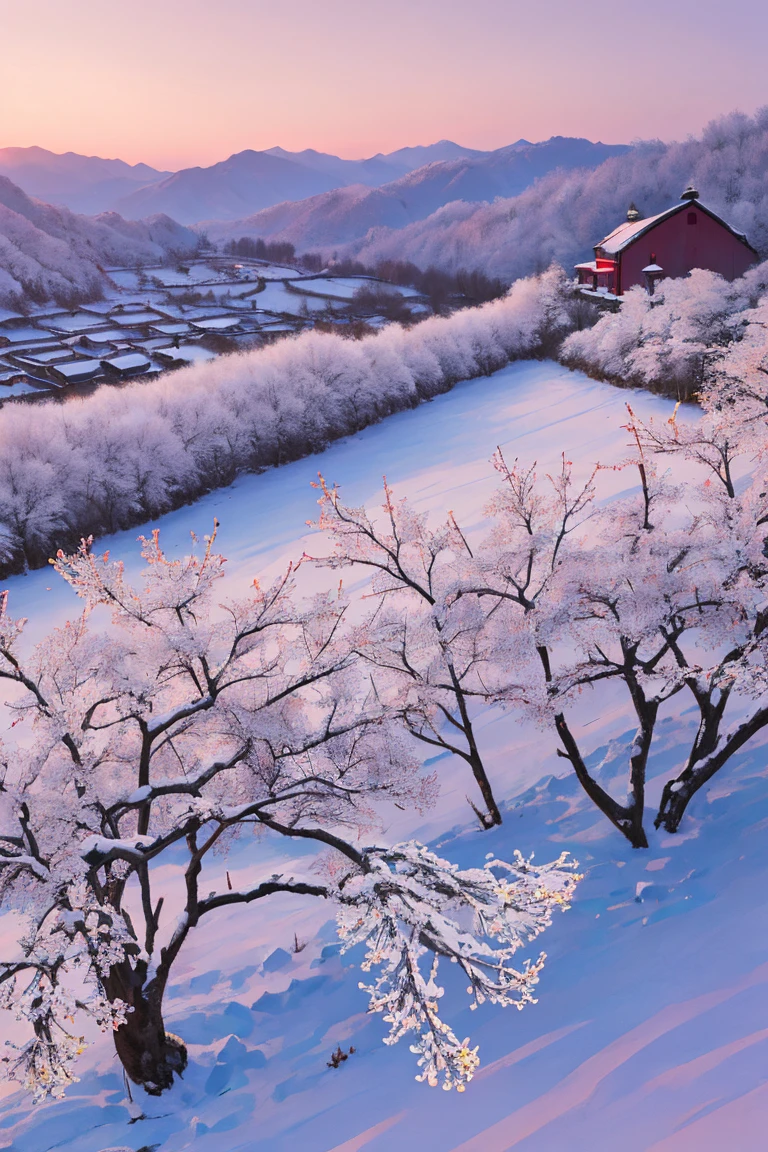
(182, 82)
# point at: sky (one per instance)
(176, 83)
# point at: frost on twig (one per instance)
(410, 909)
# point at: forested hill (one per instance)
(558, 217)
(565, 213)
(347, 213)
(49, 253)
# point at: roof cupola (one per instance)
(633, 213)
(690, 193)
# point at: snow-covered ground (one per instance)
(344, 287)
(650, 1034)
(276, 297)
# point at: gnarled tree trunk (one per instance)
(149, 1054)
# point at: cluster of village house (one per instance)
(141, 331)
(59, 348)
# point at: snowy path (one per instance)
(652, 1024)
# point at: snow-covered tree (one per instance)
(158, 739)
(673, 340)
(658, 593)
(423, 643)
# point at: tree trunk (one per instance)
(629, 819)
(149, 1054)
(491, 816)
(677, 793)
(674, 803)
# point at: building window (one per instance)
(691, 217)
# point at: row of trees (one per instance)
(121, 457)
(442, 288)
(661, 594)
(257, 249)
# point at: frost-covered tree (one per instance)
(648, 593)
(155, 740)
(658, 594)
(422, 643)
(672, 340)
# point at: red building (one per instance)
(671, 244)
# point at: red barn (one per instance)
(671, 244)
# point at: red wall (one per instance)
(679, 246)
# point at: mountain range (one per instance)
(348, 213)
(86, 184)
(249, 182)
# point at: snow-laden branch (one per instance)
(411, 905)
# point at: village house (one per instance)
(644, 251)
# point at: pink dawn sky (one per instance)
(182, 82)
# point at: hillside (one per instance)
(49, 253)
(674, 1064)
(88, 184)
(347, 214)
(565, 213)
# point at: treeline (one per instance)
(441, 288)
(277, 251)
(120, 457)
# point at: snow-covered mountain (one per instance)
(52, 253)
(414, 182)
(347, 214)
(250, 181)
(87, 184)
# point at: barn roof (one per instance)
(630, 231)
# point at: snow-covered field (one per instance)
(650, 1033)
(344, 287)
(277, 298)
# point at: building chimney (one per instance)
(690, 193)
(632, 213)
